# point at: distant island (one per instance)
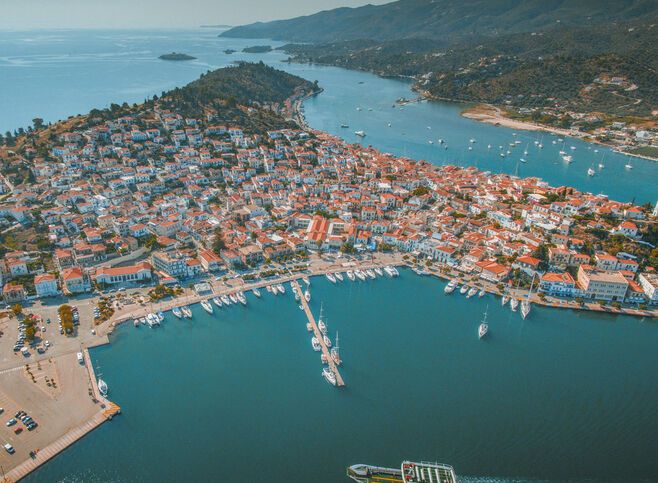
(230, 51)
(257, 49)
(219, 26)
(176, 56)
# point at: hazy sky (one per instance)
(27, 14)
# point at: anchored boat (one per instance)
(409, 472)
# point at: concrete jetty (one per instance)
(318, 335)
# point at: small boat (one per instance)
(226, 300)
(525, 308)
(306, 280)
(256, 292)
(590, 172)
(160, 316)
(331, 277)
(177, 312)
(339, 276)
(307, 296)
(484, 327)
(217, 301)
(361, 134)
(344, 126)
(513, 303)
(206, 306)
(296, 294)
(269, 288)
(452, 285)
(329, 376)
(335, 353)
(371, 274)
(241, 298)
(309, 327)
(464, 289)
(350, 275)
(136, 322)
(481, 293)
(504, 300)
(102, 387)
(471, 292)
(142, 320)
(628, 165)
(327, 340)
(360, 275)
(315, 343)
(379, 272)
(186, 312)
(281, 288)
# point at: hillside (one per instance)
(441, 19)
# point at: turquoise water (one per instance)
(54, 74)
(238, 396)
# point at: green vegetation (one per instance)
(176, 56)
(257, 49)
(218, 243)
(162, 291)
(66, 316)
(17, 309)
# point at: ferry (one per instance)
(452, 285)
(315, 343)
(350, 275)
(484, 327)
(102, 387)
(329, 376)
(361, 134)
(513, 303)
(409, 472)
(206, 306)
(471, 292)
(464, 289)
(176, 311)
(360, 275)
(226, 300)
(379, 272)
(256, 292)
(331, 277)
(307, 295)
(233, 298)
(525, 308)
(217, 301)
(186, 312)
(339, 276)
(335, 353)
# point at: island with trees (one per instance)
(176, 56)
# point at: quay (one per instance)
(318, 335)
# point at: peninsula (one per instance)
(107, 217)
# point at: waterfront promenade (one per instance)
(318, 335)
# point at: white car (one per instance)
(9, 448)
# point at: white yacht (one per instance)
(102, 387)
(206, 306)
(464, 289)
(316, 344)
(269, 288)
(177, 312)
(335, 353)
(484, 327)
(350, 275)
(217, 301)
(329, 376)
(504, 300)
(590, 172)
(525, 308)
(360, 275)
(281, 288)
(233, 298)
(513, 303)
(241, 298)
(339, 276)
(394, 271)
(379, 272)
(327, 340)
(256, 292)
(187, 313)
(361, 134)
(306, 280)
(330, 277)
(226, 300)
(307, 295)
(481, 293)
(371, 274)
(452, 285)
(471, 292)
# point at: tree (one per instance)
(66, 316)
(218, 243)
(17, 309)
(38, 123)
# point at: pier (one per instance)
(318, 335)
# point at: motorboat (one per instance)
(186, 312)
(379, 272)
(256, 292)
(217, 301)
(452, 285)
(233, 298)
(464, 289)
(241, 298)
(330, 277)
(513, 303)
(360, 275)
(307, 296)
(471, 292)
(339, 276)
(281, 288)
(177, 312)
(590, 172)
(103, 387)
(315, 343)
(350, 275)
(226, 300)
(371, 274)
(206, 306)
(393, 270)
(329, 376)
(525, 308)
(361, 134)
(306, 280)
(504, 300)
(481, 293)
(136, 322)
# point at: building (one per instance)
(46, 285)
(602, 285)
(75, 281)
(13, 293)
(139, 272)
(173, 264)
(649, 284)
(558, 284)
(209, 260)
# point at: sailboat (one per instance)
(484, 327)
(102, 385)
(321, 324)
(525, 304)
(335, 353)
(628, 165)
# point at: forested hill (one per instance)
(440, 19)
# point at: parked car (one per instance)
(11, 422)
(9, 448)
(18, 430)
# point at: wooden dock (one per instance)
(318, 335)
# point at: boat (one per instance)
(307, 296)
(567, 158)
(281, 288)
(233, 298)
(331, 277)
(296, 294)
(339, 276)
(484, 327)
(241, 298)
(371, 274)
(525, 308)
(136, 322)
(360, 275)
(103, 387)
(452, 285)
(464, 289)
(321, 325)
(226, 300)
(379, 272)
(329, 376)
(335, 353)
(142, 320)
(590, 172)
(160, 316)
(269, 288)
(350, 275)
(217, 301)
(628, 165)
(315, 343)
(309, 327)
(306, 280)
(206, 306)
(152, 320)
(344, 126)
(471, 292)
(186, 312)
(392, 270)
(409, 472)
(481, 293)
(256, 292)
(513, 303)
(177, 312)
(327, 340)
(504, 300)
(361, 134)
(81, 359)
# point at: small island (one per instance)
(257, 49)
(230, 51)
(176, 56)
